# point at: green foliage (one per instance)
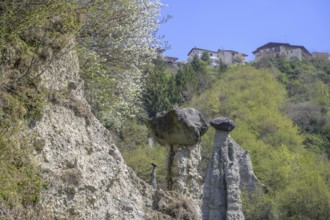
(165, 90)
(121, 32)
(186, 83)
(295, 180)
(222, 68)
(140, 159)
(206, 57)
(200, 68)
(258, 205)
(20, 181)
(32, 34)
(255, 99)
(99, 88)
(322, 64)
(309, 199)
(117, 43)
(139, 155)
(159, 92)
(134, 135)
(307, 84)
(41, 30)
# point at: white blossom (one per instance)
(121, 33)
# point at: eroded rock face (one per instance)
(180, 126)
(186, 179)
(85, 173)
(228, 173)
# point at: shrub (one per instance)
(140, 159)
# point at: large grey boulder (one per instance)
(180, 126)
(224, 124)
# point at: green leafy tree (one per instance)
(117, 43)
(186, 82)
(156, 95)
(307, 83)
(197, 64)
(121, 31)
(222, 68)
(206, 58)
(201, 70)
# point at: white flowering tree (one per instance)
(118, 40)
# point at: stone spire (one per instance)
(228, 172)
(153, 180)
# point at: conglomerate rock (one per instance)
(228, 173)
(222, 123)
(85, 173)
(180, 126)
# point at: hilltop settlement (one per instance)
(269, 50)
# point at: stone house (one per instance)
(231, 57)
(321, 55)
(198, 52)
(226, 56)
(273, 49)
(170, 60)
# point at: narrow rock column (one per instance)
(221, 187)
(186, 178)
(170, 161)
(153, 181)
(181, 129)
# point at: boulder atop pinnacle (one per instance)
(224, 124)
(180, 126)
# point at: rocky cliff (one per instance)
(84, 172)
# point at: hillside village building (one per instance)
(229, 57)
(321, 55)
(170, 60)
(281, 50)
(226, 56)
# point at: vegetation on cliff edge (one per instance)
(115, 40)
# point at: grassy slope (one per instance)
(297, 180)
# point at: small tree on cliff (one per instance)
(118, 41)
